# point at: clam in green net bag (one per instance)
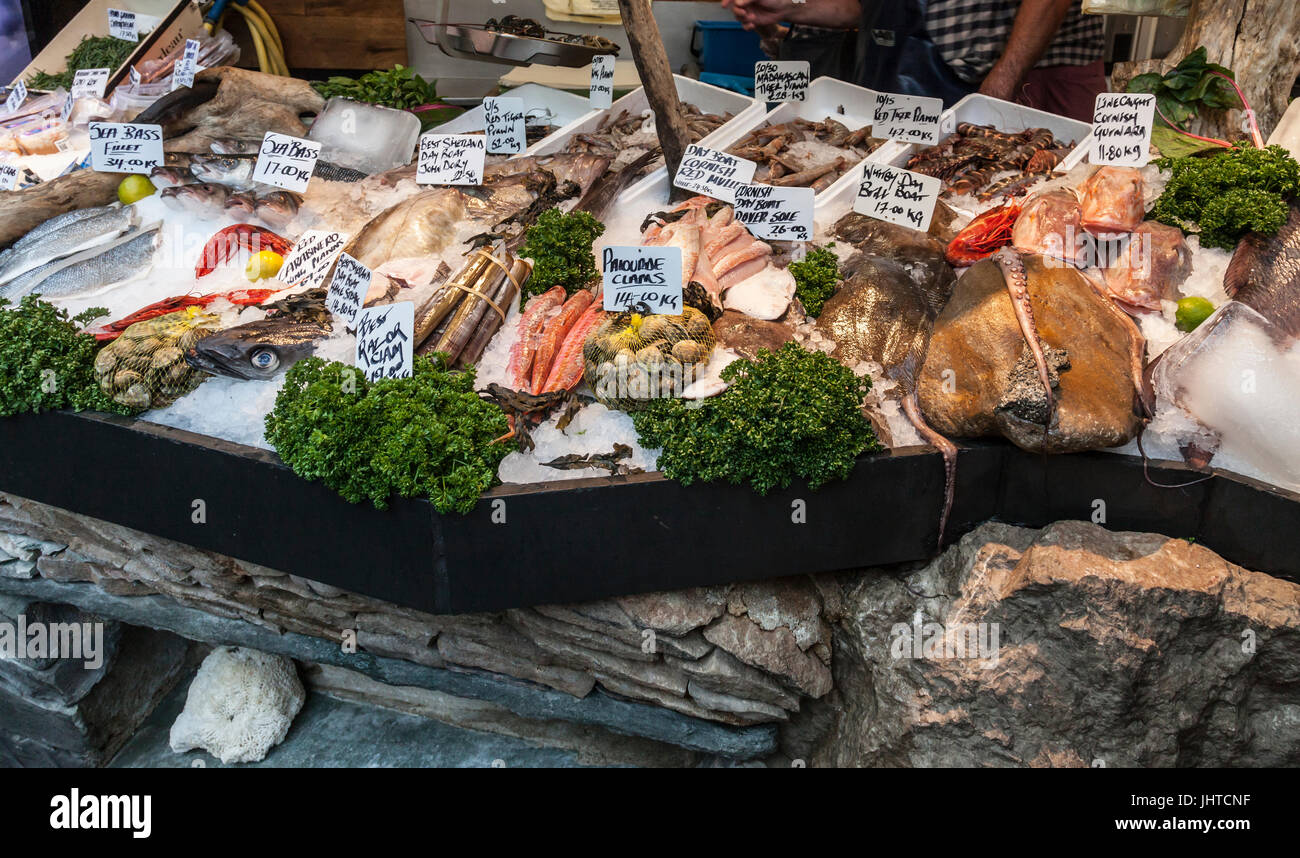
(632, 359)
(145, 367)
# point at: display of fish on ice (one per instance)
(91, 271)
(734, 268)
(61, 237)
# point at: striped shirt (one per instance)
(972, 34)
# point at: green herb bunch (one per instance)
(816, 278)
(559, 245)
(92, 52)
(1226, 195)
(46, 362)
(399, 87)
(789, 413)
(425, 436)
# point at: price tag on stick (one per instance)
(1121, 129)
(125, 147)
(286, 162)
(17, 96)
(384, 348)
(777, 214)
(910, 118)
(90, 83)
(8, 177)
(348, 289)
(898, 196)
(122, 25)
(187, 66)
(602, 81)
(642, 275)
(504, 119)
(451, 159)
(713, 173)
(311, 258)
(783, 80)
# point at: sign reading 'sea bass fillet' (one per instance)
(384, 348)
(125, 147)
(642, 275)
(1121, 129)
(777, 214)
(504, 120)
(348, 289)
(898, 196)
(311, 258)
(713, 173)
(910, 118)
(451, 159)
(781, 80)
(286, 162)
(602, 81)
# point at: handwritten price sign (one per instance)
(124, 147)
(451, 159)
(713, 173)
(897, 196)
(1121, 129)
(777, 214)
(783, 80)
(286, 162)
(910, 118)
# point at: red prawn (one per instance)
(984, 235)
(222, 246)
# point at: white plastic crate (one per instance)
(565, 109)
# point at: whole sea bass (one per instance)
(90, 271)
(72, 236)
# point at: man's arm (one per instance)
(843, 14)
(1033, 31)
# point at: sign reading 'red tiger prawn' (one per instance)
(713, 173)
(286, 162)
(643, 275)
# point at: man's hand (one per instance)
(755, 14)
(1033, 31)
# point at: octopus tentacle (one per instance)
(912, 408)
(1013, 272)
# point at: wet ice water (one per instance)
(596, 429)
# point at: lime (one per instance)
(1191, 312)
(263, 264)
(135, 188)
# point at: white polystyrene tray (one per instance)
(708, 98)
(827, 97)
(976, 108)
(566, 109)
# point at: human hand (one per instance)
(1000, 83)
(753, 14)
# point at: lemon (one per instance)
(263, 264)
(1191, 312)
(135, 188)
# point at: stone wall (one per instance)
(742, 655)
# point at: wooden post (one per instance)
(1257, 39)
(657, 78)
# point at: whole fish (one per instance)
(277, 208)
(169, 177)
(91, 271)
(234, 146)
(422, 225)
(553, 338)
(256, 351)
(241, 206)
(72, 237)
(1265, 274)
(529, 334)
(49, 226)
(235, 171)
(201, 198)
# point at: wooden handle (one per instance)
(657, 78)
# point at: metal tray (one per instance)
(474, 42)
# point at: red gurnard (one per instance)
(556, 331)
(982, 236)
(222, 246)
(531, 326)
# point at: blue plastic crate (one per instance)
(724, 47)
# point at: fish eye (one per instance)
(264, 359)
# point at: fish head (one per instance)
(255, 351)
(235, 146)
(278, 206)
(238, 205)
(169, 177)
(221, 168)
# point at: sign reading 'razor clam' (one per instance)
(648, 278)
(713, 173)
(384, 348)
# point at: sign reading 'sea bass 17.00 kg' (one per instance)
(1121, 129)
(910, 118)
(649, 276)
(898, 196)
(776, 214)
(286, 162)
(451, 159)
(713, 173)
(125, 147)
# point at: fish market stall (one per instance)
(542, 351)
